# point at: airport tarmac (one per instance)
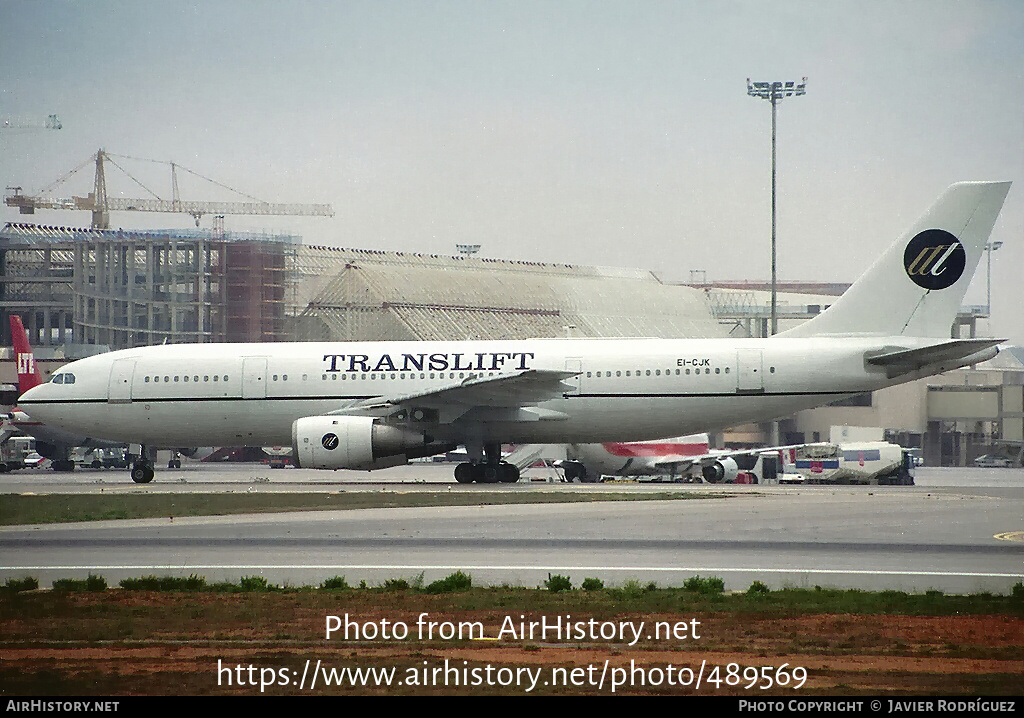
(958, 530)
(196, 476)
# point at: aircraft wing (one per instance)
(898, 361)
(508, 392)
(684, 462)
(678, 464)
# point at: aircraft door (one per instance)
(749, 375)
(254, 378)
(119, 391)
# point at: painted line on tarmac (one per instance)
(483, 567)
(1010, 536)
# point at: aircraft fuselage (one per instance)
(622, 389)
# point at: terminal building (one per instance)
(79, 291)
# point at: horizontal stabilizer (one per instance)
(898, 361)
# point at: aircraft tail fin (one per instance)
(28, 372)
(916, 287)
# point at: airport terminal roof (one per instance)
(366, 294)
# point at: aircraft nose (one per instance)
(33, 393)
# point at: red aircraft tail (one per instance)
(28, 372)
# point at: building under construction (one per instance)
(133, 288)
(130, 288)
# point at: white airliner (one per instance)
(367, 405)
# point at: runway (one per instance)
(962, 538)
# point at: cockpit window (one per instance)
(63, 378)
(57, 379)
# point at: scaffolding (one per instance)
(135, 288)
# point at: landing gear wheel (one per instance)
(489, 473)
(142, 473)
(464, 473)
(509, 474)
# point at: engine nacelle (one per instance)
(353, 442)
(724, 469)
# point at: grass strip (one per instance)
(17, 509)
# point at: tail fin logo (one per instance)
(26, 364)
(934, 259)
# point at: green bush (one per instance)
(336, 583)
(558, 583)
(1017, 591)
(757, 588)
(708, 586)
(631, 589)
(592, 584)
(16, 585)
(254, 584)
(164, 583)
(457, 581)
(92, 583)
(396, 584)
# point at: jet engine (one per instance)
(724, 469)
(356, 442)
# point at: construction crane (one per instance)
(7, 124)
(102, 204)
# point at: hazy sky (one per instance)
(612, 133)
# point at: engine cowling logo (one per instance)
(934, 259)
(330, 441)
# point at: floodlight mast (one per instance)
(774, 92)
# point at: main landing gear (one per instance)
(501, 472)
(486, 467)
(142, 469)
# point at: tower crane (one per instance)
(101, 204)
